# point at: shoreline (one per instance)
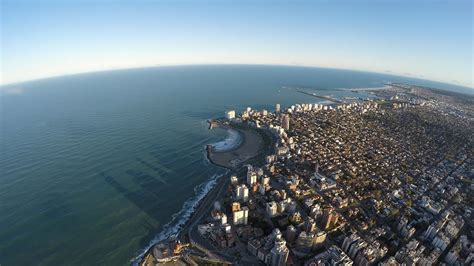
(201, 206)
(233, 140)
(250, 142)
(181, 224)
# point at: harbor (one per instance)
(327, 98)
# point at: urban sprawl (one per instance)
(379, 181)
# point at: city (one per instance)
(385, 180)
(236, 132)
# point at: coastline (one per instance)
(187, 212)
(233, 141)
(186, 230)
(245, 143)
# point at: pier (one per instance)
(328, 98)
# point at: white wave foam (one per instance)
(232, 141)
(179, 219)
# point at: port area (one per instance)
(253, 141)
(327, 98)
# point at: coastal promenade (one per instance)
(219, 190)
(255, 146)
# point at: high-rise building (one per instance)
(272, 209)
(277, 107)
(251, 176)
(279, 252)
(230, 114)
(330, 218)
(241, 216)
(242, 193)
(223, 219)
(356, 247)
(285, 122)
(290, 233)
(348, 241)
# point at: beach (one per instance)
(244, 143)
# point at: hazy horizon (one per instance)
(13, 87)
(430, 40)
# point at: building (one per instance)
(279, 252)
(348, 241)
(319, 239)
(242, 193)
(251, 176)
(310, 225)
(329, 218)
(235, 206)
(305, 241)
(253, 246)
(332, 256)
(285, 122)
(272, 209)
(241, 216)
(282, 150)
(230, 114)
(233, 180)
(321, 182)
(277, 108)
(356, 247)
(290, 234)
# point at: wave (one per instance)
(179, 219)
(232, 141)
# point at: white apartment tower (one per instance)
(230, 114)
(251, 176)
(241, 216)
(242, 193)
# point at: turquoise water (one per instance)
(93, 167)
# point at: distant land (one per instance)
(415, 80)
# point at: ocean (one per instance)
(96, 167)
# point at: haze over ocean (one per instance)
(94, 165)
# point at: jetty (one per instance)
(328, 98)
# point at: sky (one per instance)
(418, 38)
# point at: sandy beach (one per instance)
(232, 156)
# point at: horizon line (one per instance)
(389, 73)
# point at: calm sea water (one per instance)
(93, 167)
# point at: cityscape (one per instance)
(236, 132)
(379, 181)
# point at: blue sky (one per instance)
(425, 39)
